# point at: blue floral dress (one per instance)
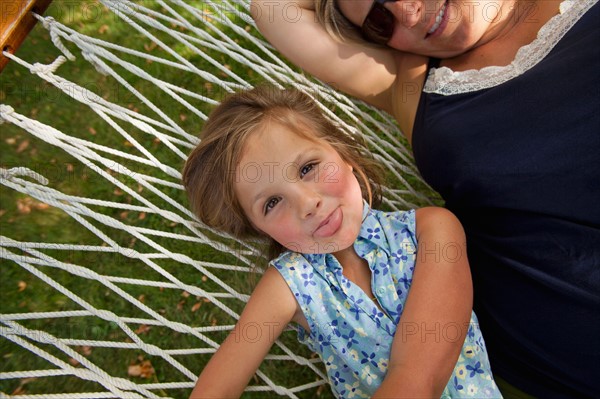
(351, 334)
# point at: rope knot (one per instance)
(280, 390)
(5, 110)
(47, 69)
(47, 22)
(53, 27)
(9, 174)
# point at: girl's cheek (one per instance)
(330, 173)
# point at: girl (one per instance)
(387, 321)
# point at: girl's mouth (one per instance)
(330, 225)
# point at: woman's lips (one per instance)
(441, 20)
(330, 225)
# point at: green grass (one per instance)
(24, 219)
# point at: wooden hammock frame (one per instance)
(16, 21)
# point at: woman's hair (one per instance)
(339, 27)
(210, 170)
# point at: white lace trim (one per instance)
(445, 81)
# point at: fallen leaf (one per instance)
(24, 205)
(142, 370)
(185, 294)
(150, 46)
(196, 306)
(142, 216)
(92, 130)
(320, 390)
(74, 362)
(85, 350)
(11, 140)
(19, 391)
(142, 329)
(41, 206)
(134, 370)
(103, 29)
(147, 369)
(22, 285)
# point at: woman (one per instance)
(500, 101)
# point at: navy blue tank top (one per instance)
(519, 164)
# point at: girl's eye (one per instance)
(271, 204)
(306, 169)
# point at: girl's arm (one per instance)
(364, 72)
(269, 310)
(435, 319)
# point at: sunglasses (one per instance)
(379, 24)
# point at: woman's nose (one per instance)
(407, 12)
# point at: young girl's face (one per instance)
(298, 191)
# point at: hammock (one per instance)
(136, 306)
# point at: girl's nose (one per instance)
(310, 202)
(407, 12)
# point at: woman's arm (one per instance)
(291, 27)
(385, 78)
(435, 319)
(269, 310)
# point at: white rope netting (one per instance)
(135, 307)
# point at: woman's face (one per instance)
(438, 28)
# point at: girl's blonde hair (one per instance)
(210, 170)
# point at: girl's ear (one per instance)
(350, 166)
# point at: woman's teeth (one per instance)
(438, 19)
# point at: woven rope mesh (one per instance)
(110, 287)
